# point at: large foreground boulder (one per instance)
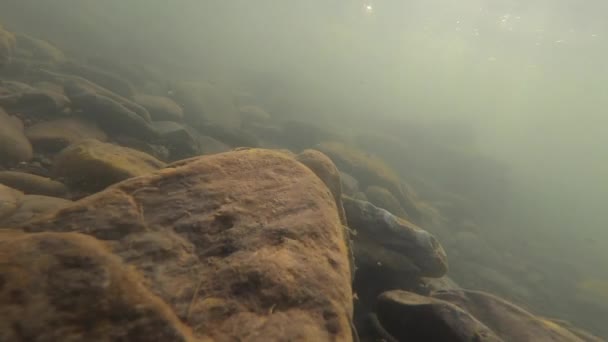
(245, 245)
(74, 289)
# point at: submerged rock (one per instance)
(160, 108)
(105, 79)
(251, 114)
(383, 198)
(7, 47)
(55, 135)
(300, 135)
(244, 245)
(506, 320)
(206, 103)
(33, 102)
(179, 140)
(156, 150)
(93, 165)
(32, 207)
(73, 288)
(39, 49)
(32, 184)
(370, 171)
(82, 86)
(209, 145)
(14, 146)
(465, 315)
(10, 200)
(397, 243)
(234, 137)
(323, 167)
(350, 185)
(109, 114)
(407, 316)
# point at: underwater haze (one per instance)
(494, 113)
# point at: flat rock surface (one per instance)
(245, 245)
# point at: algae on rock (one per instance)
(93, 165)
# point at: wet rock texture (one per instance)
(55, 135)
(245, 245)
(32, 184)
(91, 164)
(14, 146)
(464, 315)
(394, 242)
(88, 294)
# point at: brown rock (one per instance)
(399, 245)
(33, 206)
(205, 102)
(93, 165)
(14, 146)
(350, 185)
(10, 199)
(111, 115)
(50, 87)
(55, 135)
(410, 317)
(209, 145)
(160, 108)
(23, 99)
(383, 198)
(7, 46)
(73, 289)
(325, 169)
(508, 321)
(39, 48)
(106, 79)
(252, 113)
(243, 245)
(32, 184)
(370, 170)
(81, 86)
